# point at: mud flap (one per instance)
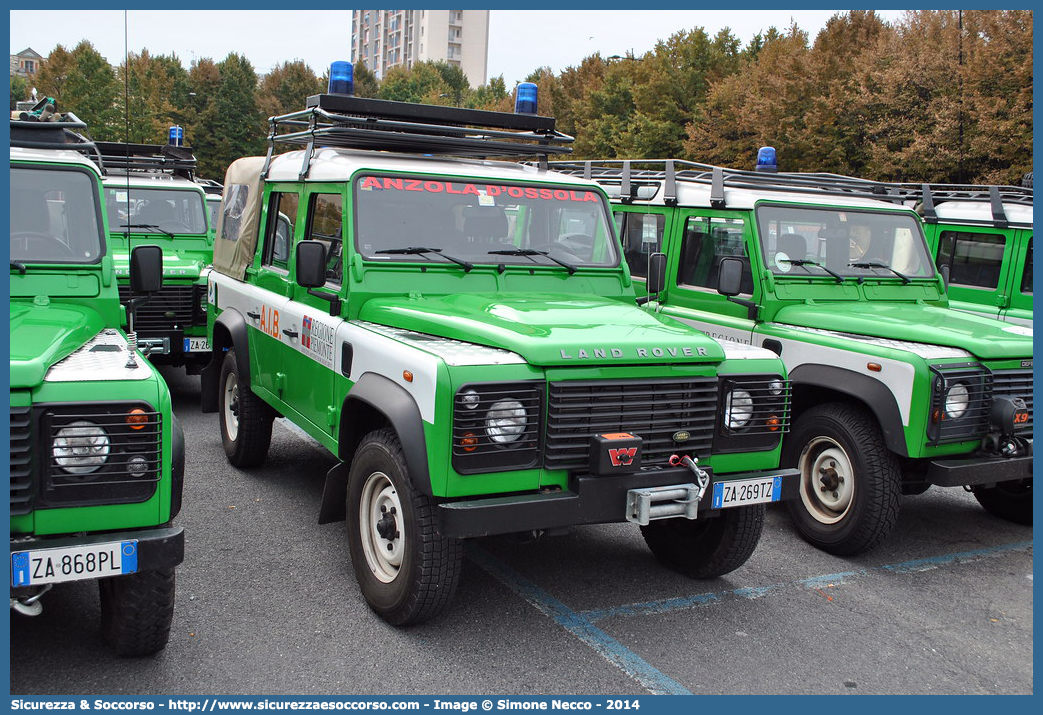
(334, 495)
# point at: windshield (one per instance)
(476, 222)
(810, 241)
(213, 207)
(154, 210)
(54, 216)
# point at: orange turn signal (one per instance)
(469, 442)
(407, 376)
(137, 418)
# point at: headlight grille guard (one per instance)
(974, 423)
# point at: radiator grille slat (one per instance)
(173, 307)
(21, 461)
(1015, 383)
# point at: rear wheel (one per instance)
(246, 419)
(849, 481)
(1008, 500)
(407, 572)
(706, 548)
(136, 611)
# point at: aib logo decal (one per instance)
(623, 456)
(306, 332)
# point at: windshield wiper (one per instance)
(806, 262)
(877, 264)
(20, 267)
(147, 225)
(421, 251)
(529, 253)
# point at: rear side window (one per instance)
(1026, 277)
(974, 259)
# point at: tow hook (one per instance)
(30, 605)
(702, 479)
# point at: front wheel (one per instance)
(246, 419)
(706, 548)
(849, 481)
(136, 611)
(1008, 500)
(407, 572)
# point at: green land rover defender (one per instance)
(893, 390)
(97, 458)
(153, 198)
(462, 336)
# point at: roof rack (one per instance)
(68, 133)
(178, 160)
(333, 120)
(928, 196)
(210, 186)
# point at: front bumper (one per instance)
(589, 500)
(160, 548)
(974, 471)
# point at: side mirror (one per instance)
(945, 276)
(310, 264)
(146, 269)
(656, 273)
(729, 277)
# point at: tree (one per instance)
(54, 75)
(90, 91)
(19, 90)
(155, 93)
(286, 88)
(492, 96)
(228, 124)
(366, 82)
(422, 82)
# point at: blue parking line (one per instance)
(675, 604)
(606, 646)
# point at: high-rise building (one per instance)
(383, 39)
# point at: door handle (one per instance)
(253, 315)
(291, 333)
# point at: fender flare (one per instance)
(403, 415)
(874, 393)
(232, 321)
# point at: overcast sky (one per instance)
(519, 40)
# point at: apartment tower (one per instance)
(383, 39)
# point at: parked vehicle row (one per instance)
(486, 347)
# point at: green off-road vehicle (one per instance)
(97, 458)
(462, 335)
(152, 198)
(893, 391)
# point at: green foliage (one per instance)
(90, 91)
(286, 88)
(19, 90)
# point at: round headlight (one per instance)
(738, 409)
(957, 400)
(776, 387)
(80, 447)
(505, 422)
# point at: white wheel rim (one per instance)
(827, 480)
(231, 411)
(382, 527)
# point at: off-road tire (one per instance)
(1009, 500)
(246, 442)
(136, 611)
(848, 438)
(707, 548)
(420, 585)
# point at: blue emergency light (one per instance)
(525, 100)
(176, 136)
(766, 160)
(342, 78)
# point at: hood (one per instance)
(549, 329)
(186, 265)
(41, 335)
(986, 338)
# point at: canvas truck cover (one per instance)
(239, 218)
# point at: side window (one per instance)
(707, 241)
(324, 225)
(641, 235)
(278, 233)
(1026, 277)
(974, 259)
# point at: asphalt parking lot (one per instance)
(267, 605)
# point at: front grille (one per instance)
(655, 410)
(21, 460)
(172, 307)
(1015, 383)
(132, 464)
(475, 424)
(974, 422)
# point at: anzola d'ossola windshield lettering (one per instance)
(97, 458)
(894, 391)
(463, 336)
